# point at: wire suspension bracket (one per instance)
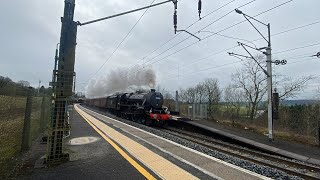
(316, 55)
(189, 33)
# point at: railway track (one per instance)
(289, 166)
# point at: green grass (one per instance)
(11, 128)
(243, 109)
(9, 102)
(11, 138)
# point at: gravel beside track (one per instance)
(289, 166)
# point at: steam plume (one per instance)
(122, 80)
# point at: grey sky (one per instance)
(30, 31)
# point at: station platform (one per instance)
(159, 158)
(101, 147)
(91, 157)
(305, 153)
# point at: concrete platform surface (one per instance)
(91, 157)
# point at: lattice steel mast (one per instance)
(62, 83)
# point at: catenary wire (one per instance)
(235, 62)
(220, 31)
(188, 36)
(286, 31)
(225, 50)
(180, 32)
(125, 37)
(301, 47)
(164, 43)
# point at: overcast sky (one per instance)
(30, 30)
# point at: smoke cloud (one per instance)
(122, 80)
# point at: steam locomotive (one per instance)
(142, 107)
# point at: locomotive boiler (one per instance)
(143, 107)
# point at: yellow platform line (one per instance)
(143, 171)
(159, 165)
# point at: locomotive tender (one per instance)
(143, 107)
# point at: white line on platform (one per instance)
(175, 156)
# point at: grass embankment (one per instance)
(296, 123)
(283, 134)
(12, 111)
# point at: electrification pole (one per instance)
(177, 102)
(39, 87)
(62, 83)
(269, 61)
(269, 85)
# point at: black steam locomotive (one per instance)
(143, 107)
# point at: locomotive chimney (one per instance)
(153, 90)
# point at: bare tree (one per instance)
(4, 81)
(190, 94)
(166, 94)
(200, 92)
(227, 98)
(213, 94)
(289, 87)
(318, 93)
(168, 99)
(23, 83)
(252, 80)
(234, 98)
(182, 96)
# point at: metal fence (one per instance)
(194, 111)
(23, 118)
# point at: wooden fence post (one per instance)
(43, 119)
(26, 125)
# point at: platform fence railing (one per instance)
(24, 115)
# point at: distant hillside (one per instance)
(299, 102)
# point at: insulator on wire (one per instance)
(175, 16)
(199, 8)
(175, 21)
